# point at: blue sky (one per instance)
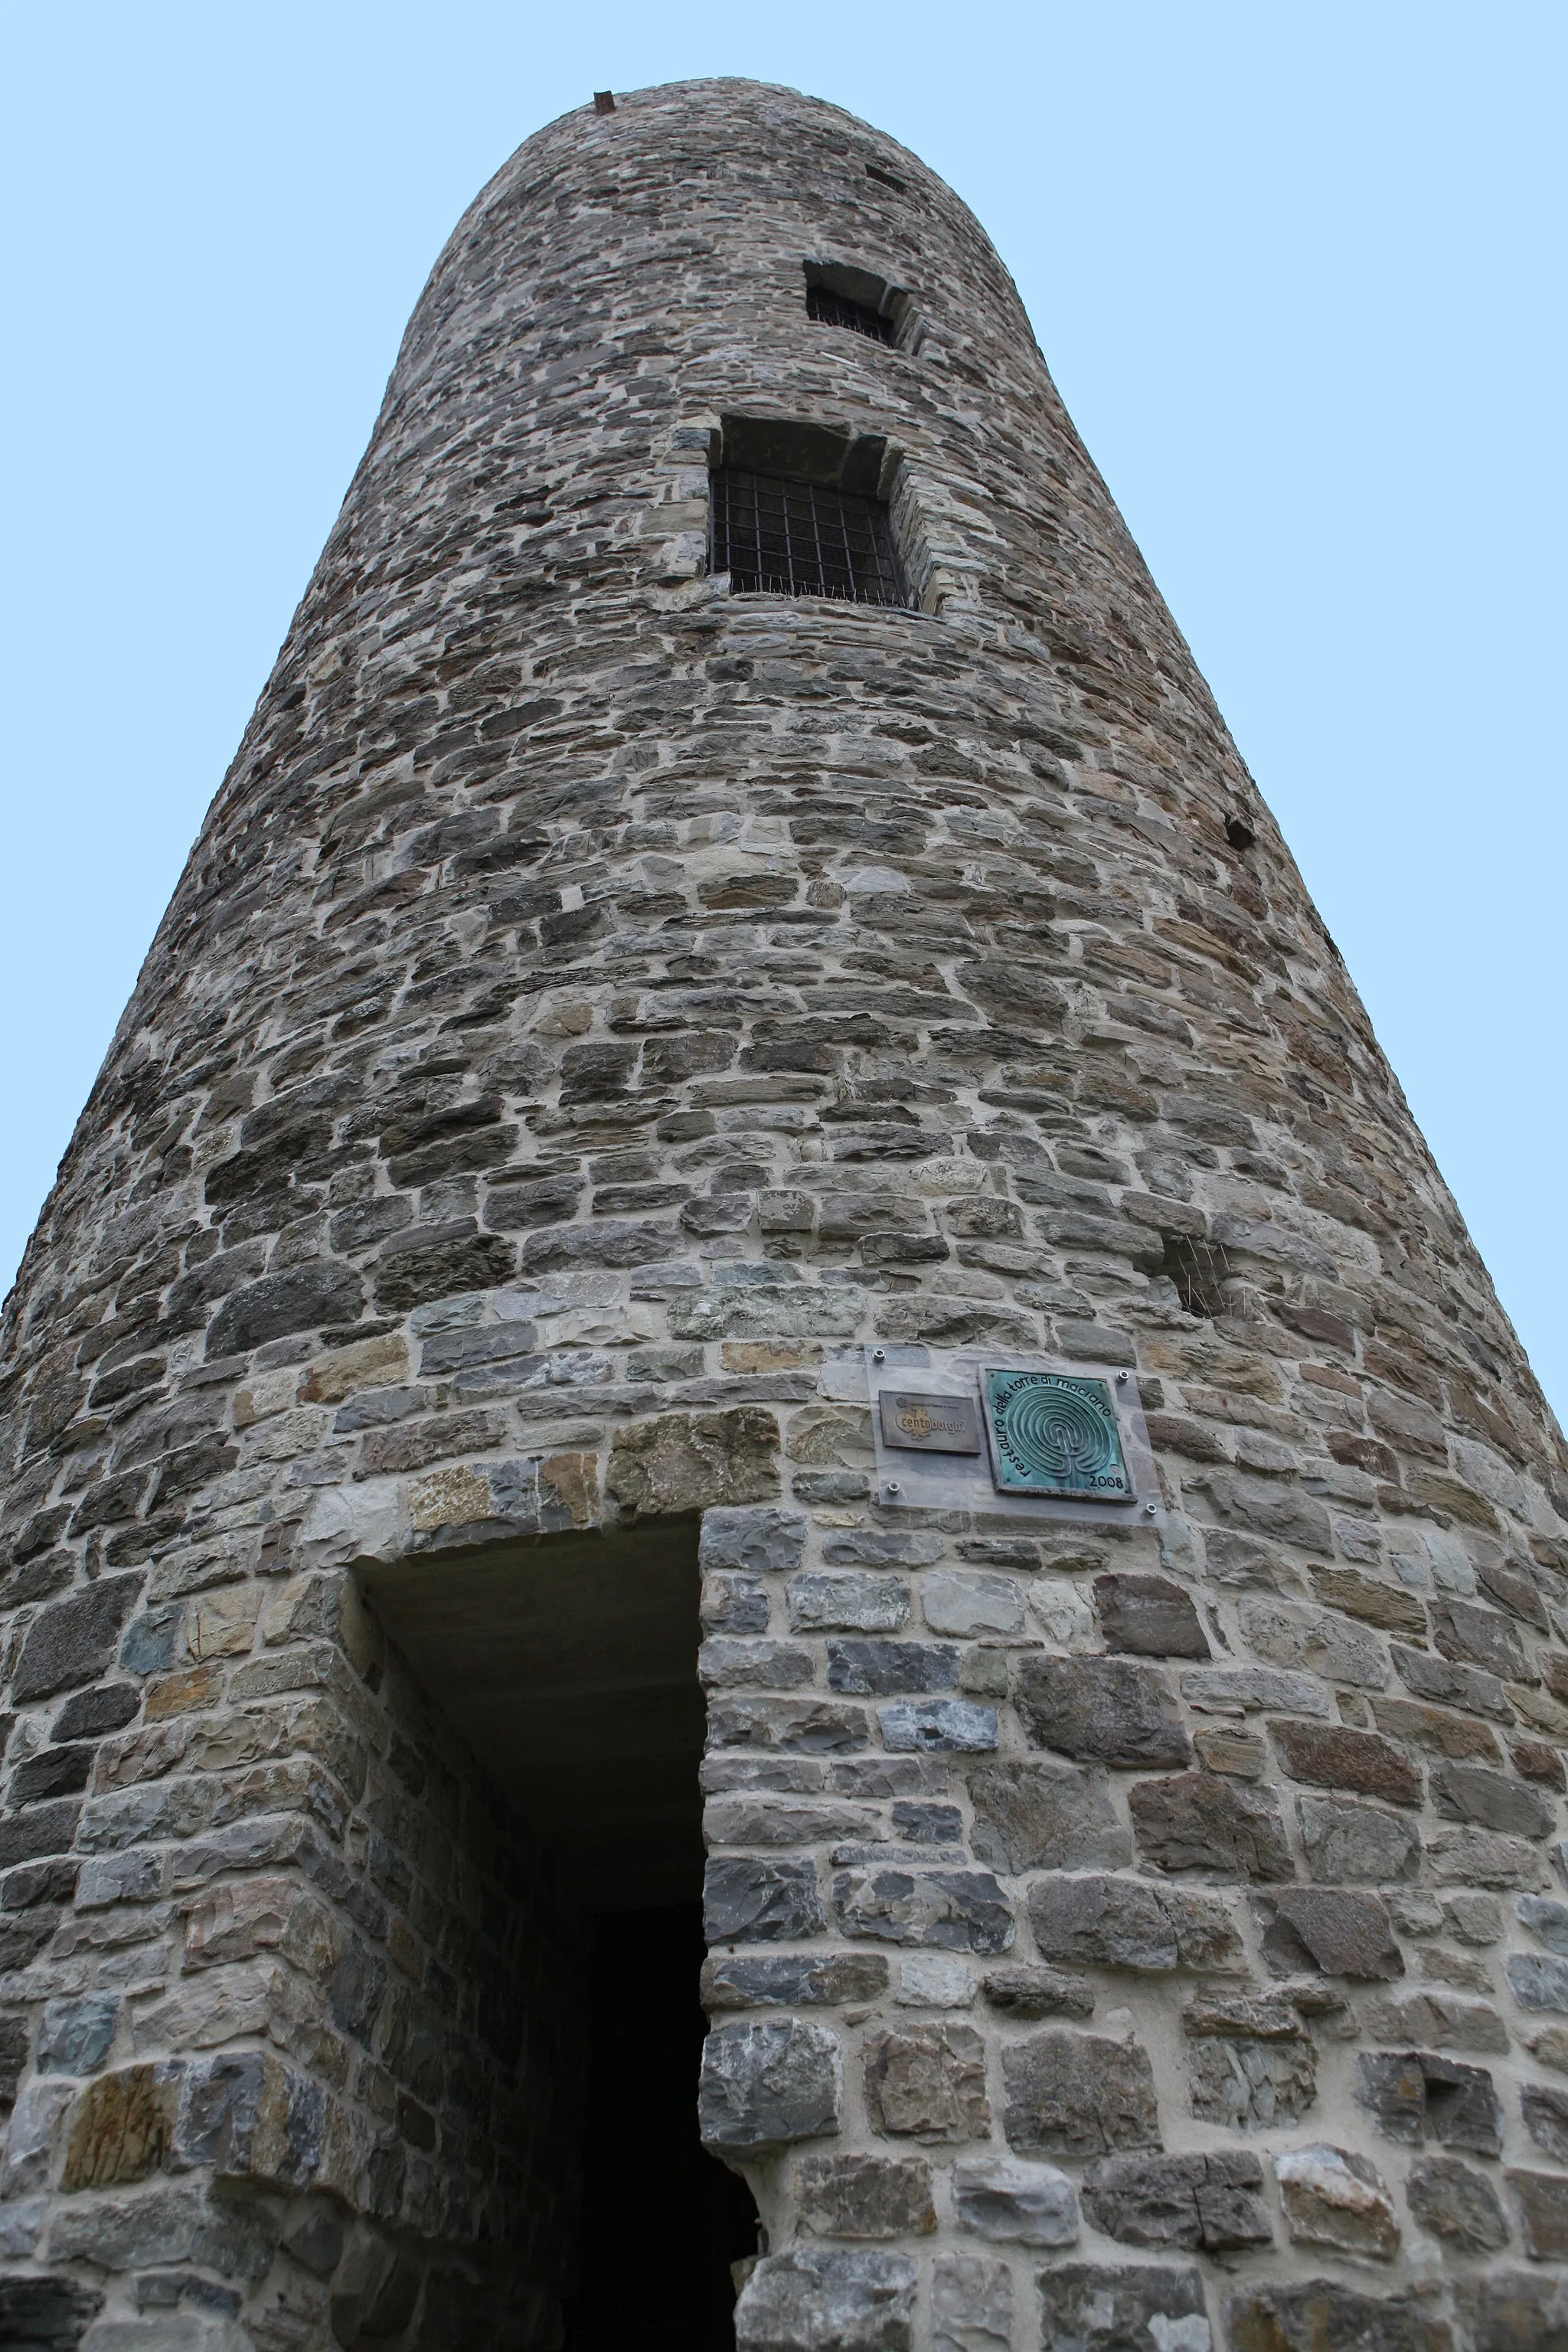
(1297, 269)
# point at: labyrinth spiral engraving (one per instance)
(1054, 1434)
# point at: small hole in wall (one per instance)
(884, 178)
(1198, 1271)
(1238, 833)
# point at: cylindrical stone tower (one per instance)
(737, 1012)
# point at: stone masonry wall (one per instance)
(598, 1007)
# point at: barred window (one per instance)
(837, 310)
(803, 539)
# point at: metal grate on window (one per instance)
(838, 310)
(796, 538)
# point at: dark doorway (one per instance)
(662, 2219)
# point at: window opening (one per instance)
(803, 539)
(838, 310)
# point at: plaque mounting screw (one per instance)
(1121, 1380)
(1149, 1509)
(894, 1487)
(879, 1355)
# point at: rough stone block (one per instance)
(43, 2313)
(1129, 1922)
(1101, 1711)
(1046, 1816)
(678, 1462)
(1470, 1857)
(972, 2305)
(1127, 2307)
(1356, 1846)
(1250, 2064)
(1252, 1690)
(1078, 2095)
(928, 2082)
(1469, 1793)
(1027, 2205)
(1546, 1919)
(1030, 1992)
(953, 1910)
(1149, 1617)
(1334, 2197)
(1439, 2021)
(792, 1980)
(865, 2196)
(1415, 2095)
(72, 1640)
(761, 1542)
(762, 2085)
(75, 2033)
(831, 1601)
(882, 1667)
(1539, 1980)
(1199, 2201)
(1342, 1934)
(750, 1902)
(970, 1604)
(1457, 2203)
(934, 1727)
(1545, 2114)
(814, 2297)
(1201, 1821)
(1323, 2315)
(1334, 1756)
(122, 2127)
(1542, 2201)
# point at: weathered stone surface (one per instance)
(43, 2313)
(1101, 1711)
(1457, 2203)
(838, 1600)
(865, 2196)
(1438, 2020)
(1046, 1816)
(1209, 2202)
(1514, 2311)
(761, 1542)
(954, 1910)
(816, 2296)
(1539, 1980)
(1334, 2197)
(74, 2036)
(1078, 2095)
(879, 1667)
(764, 2084)
(1032, 1992)
(1546, 1918)
(935, 1727)
(1249, 1690)
(1149, 1617)
(1333, 1757)
(1469, 1793)
(1356, 1846)
(1130, 1923)
(1201, 1821)
(1125, 2307)
(1249, 2081)
(120, 2127)
(1415, 2095)
(1541, 2200)
(680, 1463)
(74, 1639)
(746, 1901)
(1469, 1857)
(929, 2082)
(969, 1603)
(789, 1980)
(1545, 2114)
(972, 2305)
(1026, 2205)
(1339, 1933)
(1323, 2315)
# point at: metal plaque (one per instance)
(1055, 1434)
(929, 1424)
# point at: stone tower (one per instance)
(738, 1037)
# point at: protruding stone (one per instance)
(764, 1541)
(1542, 2201)
(1333, 1756)
(1456, 2202)
(1201, 1821)
(1046, 1816)
(1545, 2114)
(747, 1902)
(1208, 2202)
(1149, 1617)
(761, 2085)
(1129, 1922)
(935, 1727)
(954, 1910)
(676, 1463)
(1027, 1991)
(837, 1601)
(865, 2196)
(928, 2080)
(1415, 2095)
(972, 2305)
(818, 2295)
(1027, 2205)
(1323, 2315)
(1342, 1934)
(1128, 2307)
(1101, 1711)
(1356, 1846)
(1250, 2063)
(1334, 2197)
(1078, 2095)
(792, 1980)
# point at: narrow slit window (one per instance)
(838, 310)
(802, 538)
